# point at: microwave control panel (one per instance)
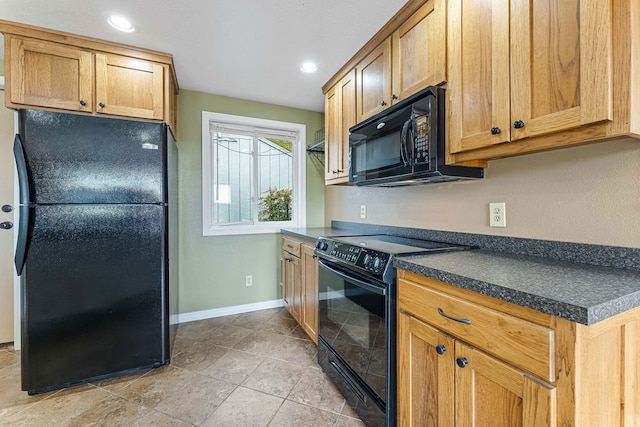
(421, 142)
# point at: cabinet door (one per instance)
(129, 87)
(50, 75)
(561, 65)
(291, 281)
(286, 292)
(419, 51)
(491, 393)
(340, 115)
(478, 90)
(310, 292)
(347, 120)
(425, 377)
(296, 289)
(374, 81)
(333, 133)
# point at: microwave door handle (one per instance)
(403, 141)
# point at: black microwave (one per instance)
(404, 145)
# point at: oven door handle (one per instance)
(379, 290)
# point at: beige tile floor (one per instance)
(251, 369)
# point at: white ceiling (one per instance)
(248, 49)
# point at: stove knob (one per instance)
(377, 263)
(367, 260)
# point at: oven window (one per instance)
(352, 320)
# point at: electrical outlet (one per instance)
(363, 211)
(248, 280)
(498, 214)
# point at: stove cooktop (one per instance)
(395, 245)
(373, 255)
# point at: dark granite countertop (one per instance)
(578, 282)
(311, 234)
(578, 292)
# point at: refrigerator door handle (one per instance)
(21, 165)
(23, 227)
(21, 245)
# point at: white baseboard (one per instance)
(224, 311)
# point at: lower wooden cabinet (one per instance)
(300, 284)
(309, 318)
(425, 374)
(291, 278)
(444, 380)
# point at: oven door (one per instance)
(353, 337)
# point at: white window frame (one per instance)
(209, 228)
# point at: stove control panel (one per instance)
(364, 258)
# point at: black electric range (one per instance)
(357, 318)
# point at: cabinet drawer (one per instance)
(291, 246)
(519, 342)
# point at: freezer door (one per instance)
(94, 293)
(72, 158)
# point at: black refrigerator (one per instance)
(96, 243)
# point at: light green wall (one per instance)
(213, 269)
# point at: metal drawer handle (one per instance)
(461, 320)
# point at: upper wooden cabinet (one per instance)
(53, 70)
(527, 76)
(410, 59)
(374, 81)
(418, 51)
(129, 87)
(340, 115)
(526, 69)
(45, 74)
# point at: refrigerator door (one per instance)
(72, 158)
(94, 293)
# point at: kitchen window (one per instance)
(253, 175)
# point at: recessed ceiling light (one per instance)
(122, 24)
(309, 67)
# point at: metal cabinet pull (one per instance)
(457, 319)
(462, 361)
(440, 349)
